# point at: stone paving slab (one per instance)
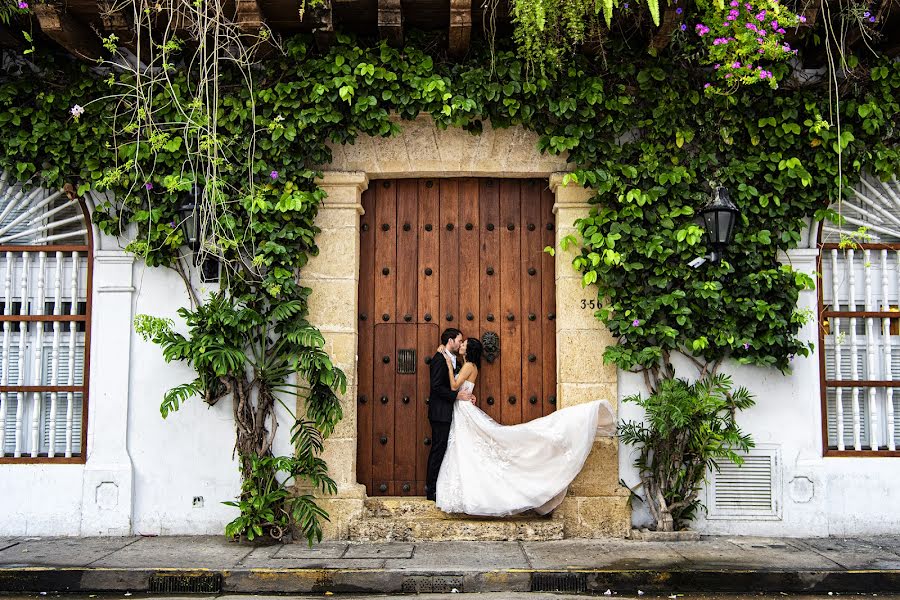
(783, 555)
(856, 553)
(61, 552)
(183, 552)
(390, 550)
(463, 556)
(301, 550)
(601, 554)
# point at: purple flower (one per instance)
(148, 186)
(871, 19)
(678, 11)
(76, 111)
(727, 75)
(172, 224)
(866, 14)
(774, 24)
(746, 346)
(635, 323)
(761, 15)
(735, 65)
(735, 3)
(781, 31)
(683, 27)
(762, 51)
(23, 5)
(763, 74)
(802, 19)
(717, 65)
(706, 85)
(626, 6)
(274, 174)
(701, 29)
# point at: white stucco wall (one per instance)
(145, 484)
(851, 496)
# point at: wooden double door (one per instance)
(438, 253)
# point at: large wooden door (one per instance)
(438, 253)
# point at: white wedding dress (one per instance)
(495, 470)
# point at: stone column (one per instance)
(333, 276)
(596, 506)
(108, 474)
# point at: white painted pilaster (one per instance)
(108, 475)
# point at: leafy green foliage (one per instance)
(687, 430)
(268, 505)
(647, 150)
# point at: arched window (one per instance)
(859, 337)
(45, 291)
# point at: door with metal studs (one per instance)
(438, 253)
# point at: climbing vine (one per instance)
(648, 150)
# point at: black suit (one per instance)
(440, 414)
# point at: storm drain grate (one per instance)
(185, 584)
(559, 582)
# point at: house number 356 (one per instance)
(591, 304)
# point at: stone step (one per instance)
(402, 507)
(455, 528)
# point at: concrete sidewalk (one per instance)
(212, 564)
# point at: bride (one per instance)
(495, 470)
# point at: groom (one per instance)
(440, 405)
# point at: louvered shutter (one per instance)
(62, 400)
(746, 491)
(12, 399)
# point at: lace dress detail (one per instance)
(495, 470)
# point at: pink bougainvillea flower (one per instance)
(23, 5)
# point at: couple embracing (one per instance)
(477, 466)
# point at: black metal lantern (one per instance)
(719, 217)
(190, 228)
(190, 224)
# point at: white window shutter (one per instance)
(62, 398)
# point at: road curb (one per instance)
(395, 581)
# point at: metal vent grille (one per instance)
(406, 361)
(559, 582)
(748, 491)
(185, 584)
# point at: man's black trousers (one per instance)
(440, 433)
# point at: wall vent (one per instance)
(749, 491)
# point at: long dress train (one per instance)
(495, 470)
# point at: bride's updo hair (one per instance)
(473, 351)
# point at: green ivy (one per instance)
(640, 131)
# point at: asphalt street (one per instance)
(483, 596)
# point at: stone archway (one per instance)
(596, 506)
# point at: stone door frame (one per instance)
(596, 505)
